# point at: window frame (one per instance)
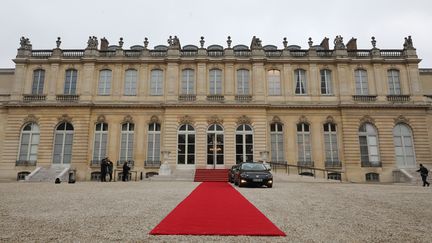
(300, 79)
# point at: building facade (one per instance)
(365, 114)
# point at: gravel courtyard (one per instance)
(127, 211)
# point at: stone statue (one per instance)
(408, 43)
(174, 42)
(92, 42)
(25, 43)
(325, 43)
(58, 42)
(256, 43)
(104, 44)
(338, 42)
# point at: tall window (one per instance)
(244, 144)
(304, 144)
(215, 78)
(188, 81)
(300, 79)
(243, 82)
(186, 145)
(394, 82)
(38, 82)
(156, 82)
(277, 144)
(130, 84)
(100, 141)
(29, 142)
(127, 142)
(215, 145)
(326, 82)
(369, 151)
(105, 78)
(361, 82)
(63, 141)
(274, 82)
(404, 146)
(153, 142)
(70, 82)
(330, 142)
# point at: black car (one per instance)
(231, 173)
(250, 173)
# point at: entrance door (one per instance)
(215, 146)
(244, 144)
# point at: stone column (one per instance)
(53, 82)
(18, 86)
(313, 81)
(377, 81)
(89, 80)
(171, 82)
(258, 79)
(228, 85)
(201, 81)
(117, 81)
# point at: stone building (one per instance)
(364, 114)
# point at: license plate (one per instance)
(257, 180)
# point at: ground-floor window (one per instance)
(186, 145)
(21, 175)
(372, 177)
(244, 144)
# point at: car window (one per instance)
(253, 166)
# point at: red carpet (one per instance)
(216, 208)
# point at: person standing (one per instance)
(103, 169)
(109, 168)
(424, 174)
(126, 169)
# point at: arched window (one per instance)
(127, 143)
(63, 141)
(70, 82)
(394, 82)
(274, 82)
(277, 143)
(38, 82)
(242, 82)
(304, 145)
(215, 145)
(361, 82)
(100, 142)
(188, 81)
(130, 84)
(156, 82)
(369, 150)
(331, 146)
(186, 145)
(153, 142)
(404, 146)
(326, 82)
(105, 79)
(215, 79)
(29, 143)
(300, 79)
(244, 144)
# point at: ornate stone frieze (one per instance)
(65, 118)
(244, 120)
(31, 119)
(154, 119)
(215, 120)
(303, 119)
(186, 119)
(100, 119)
(401, 119)
(367, 119)
(128, 119)
(276, 119)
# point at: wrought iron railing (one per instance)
(130, 163)
(284, 166)
(152, 163)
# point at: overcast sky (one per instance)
(270, 20)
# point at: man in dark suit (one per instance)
(424, 174)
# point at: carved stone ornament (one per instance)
(367, 119)
(276, 119)
(154, 119)
(215, 120)
(303, 119)
(330, 119)
(255, 43)
(65, 118)
(100, 119)
(31, 119)
(244, 120)
(186, 119)
(338, 43)
(401, 119)
(128, 119)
